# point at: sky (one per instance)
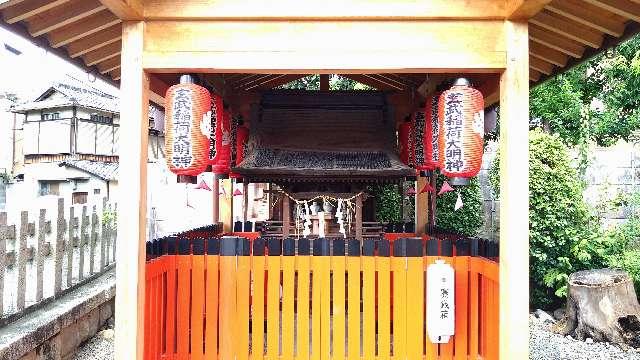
(35, 69)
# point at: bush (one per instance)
(387, 198)
(563, 236)
(467, 220)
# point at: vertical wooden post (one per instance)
(40, 254)
(21, 252)
(286, 220)
(359, 217)
(215, 204)
(130, 254)
(61, 227)
(93, 240)
(72, 224)
(324, 82)
(84, 224)
(6, 233)
(514, 194)
(245, 201)
(422, 206)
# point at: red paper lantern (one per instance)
(405, 142)
(237, 155)
(220, 149)
(461, 131)
(187, 117)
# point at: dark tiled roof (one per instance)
(103, 170)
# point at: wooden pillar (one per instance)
(130, 257)
(422, 206)
(514, 195)
(215, 203)
(226, 206)
(433, 197)
(286, 219)
(359, 217)
(324, 82)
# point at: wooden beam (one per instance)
(524, 9)
(10, 3)
(588, 15)
(251, 80)
(117, 74)
(548, 54)
(130, 272)
(29, 8)
(324, 82)
(325, 10)
(286, 217)
(109, 65)
(568, 28)
(540, 65)
(554, 41)
(104, 53)
(359, 218)
(390, 79)
(364, 46)
(125, 9)
(534, 75)
(281, 80)
(96, 41)
(63, 15)
(514, 196)
(370, 82)
(259, 84)
(83, 28)
(625, 8)
(421, 206)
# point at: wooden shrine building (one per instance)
(240, 49)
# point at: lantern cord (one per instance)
(323, 197)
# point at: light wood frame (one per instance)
(301, 47)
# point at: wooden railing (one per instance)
(41, 259)
(233, 298)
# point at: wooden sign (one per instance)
(440, 302)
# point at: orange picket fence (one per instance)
(233, 298)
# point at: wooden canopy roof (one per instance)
(89, 32)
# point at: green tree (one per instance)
(466, 220)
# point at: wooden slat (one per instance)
(5, 236)
(353, 308)
(324, 330)
(303, 264)
(555, 41)
(109, 65)
(625, 8)
(29, 8)
(96, 41)
(383, 269)
(568, 28)
(198, 289)
(242, 309)
(115, 75)
(415, 307)
(125, 9)
(431, 349)
(103, 237)
(288, 314)
(63, 15)
(540, 65)
(72, 225)
(462, 305)
(273, 307)
(588, 15)
(183, 304)
(93, 240)
(399, 307)
(534, 75)
(257, 308)
(211, 307)
(83, 28)
(371, 82)
(548, 54)
(368, 306)
(103, 53)
(338, 266)
(21, 250)
(10, 3)
(280, 80)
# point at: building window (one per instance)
(49, 188)
(79, 198)
(102, 119)
(96, 191)
(51, 116)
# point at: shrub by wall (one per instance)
(466, 220)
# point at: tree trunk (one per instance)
(602, 305)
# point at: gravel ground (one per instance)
(100, 347)
(546, 345)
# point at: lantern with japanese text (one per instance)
(461, 132)
(238, 151)
(220, 148)
(405, 141)
(188, 124)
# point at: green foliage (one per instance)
(466, 220)
(387, 198)
(628, 261)
(598, 100)
(110, 218)
(336, 82)
(563, 236)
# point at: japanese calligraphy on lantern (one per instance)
(420, 128)
(440, 302)
(182, 157)
(212, 137)
(434, 130)
(454, 132)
